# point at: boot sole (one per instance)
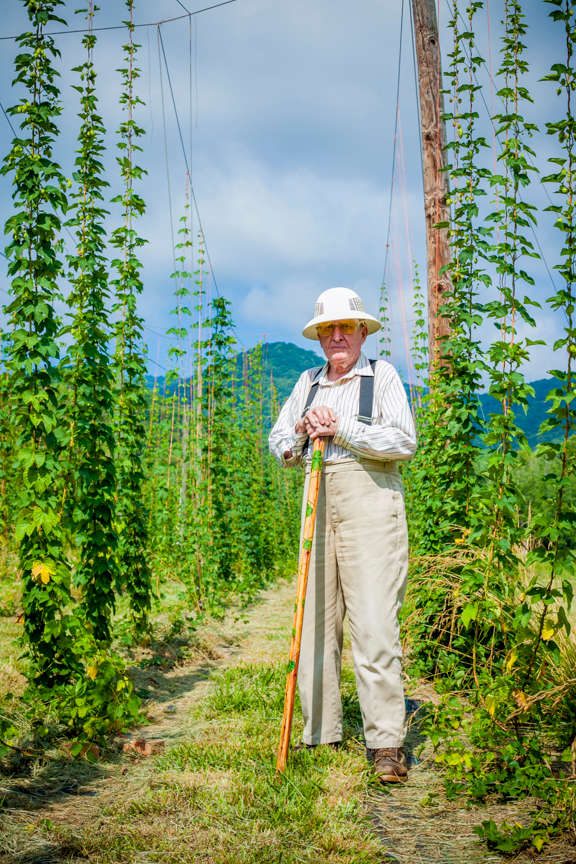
(391, 778)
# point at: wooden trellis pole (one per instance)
(436, 208)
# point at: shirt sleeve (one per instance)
(283, 438)
(392, 435)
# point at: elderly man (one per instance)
(360, 553)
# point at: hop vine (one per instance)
(90, 376)
(130, 426)
(35, 266)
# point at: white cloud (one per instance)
(295, 219)
(293, 113)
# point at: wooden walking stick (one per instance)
(303, 568)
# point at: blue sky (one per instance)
(287, 111)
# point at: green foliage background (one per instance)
(114, 487)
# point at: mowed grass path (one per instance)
(213, 795)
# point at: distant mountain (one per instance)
(536, 412)
(284, 362)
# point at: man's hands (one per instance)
(318, 422)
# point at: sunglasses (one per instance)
(345, 327)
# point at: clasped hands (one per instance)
(318, 422)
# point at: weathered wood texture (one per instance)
(436, 208)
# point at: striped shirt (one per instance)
(391, 436)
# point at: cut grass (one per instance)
(217, 798)
(11, 678)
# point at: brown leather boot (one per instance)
(390, 764)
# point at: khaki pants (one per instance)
(358, 566)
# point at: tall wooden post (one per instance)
(436, 208)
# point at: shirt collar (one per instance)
(361, 367)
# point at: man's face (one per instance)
(342, 342)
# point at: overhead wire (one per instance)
(191, 81)
(157, 363)
(190, 194)
(187, 164)
(149, 82)
(169, 184)
(417, 91)
(166, 162)
(191, 103)
(196, 72)
(394, 148)
(169, 336)
(418, 115)
(8, 120)
(399, 273)
(136, 26)
(403, 182)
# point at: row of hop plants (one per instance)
(222, 513)
(109, 490)
(59, 504)
(488, 612)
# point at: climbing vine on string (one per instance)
(34, 265)
(130, 367)
(88, 373)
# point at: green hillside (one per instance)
(536, 412)
(284, 362)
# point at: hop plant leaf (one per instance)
(42, 572)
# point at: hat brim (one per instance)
(310, 331)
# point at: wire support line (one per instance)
(417, 91)
(8, 120)
(166, 161)
(192, 85)
(170, 337)
(186, 163)
(156, 363)
(190, 14)
(394, 149)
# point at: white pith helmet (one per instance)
(339, 304)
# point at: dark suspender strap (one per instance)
(366, 396)
(315, 374)
(366, 393)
